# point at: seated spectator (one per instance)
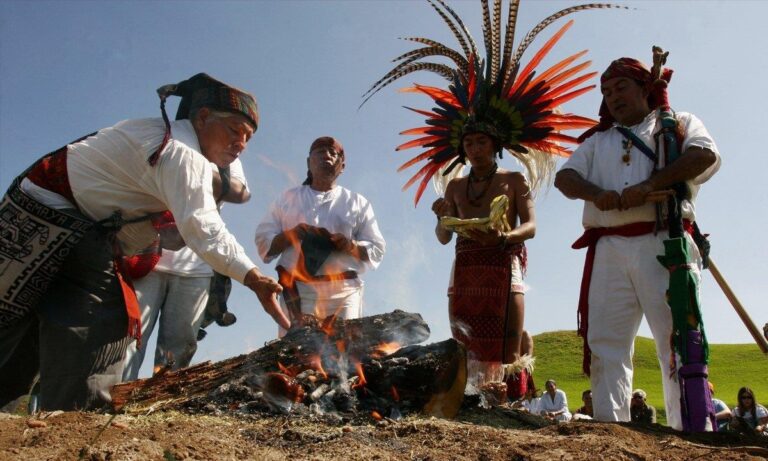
(554, 404)
(530, 402)
(722, 412)
(585, 412)
(639, 409)
(748, 415)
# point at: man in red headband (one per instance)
(325, 236)
(614, 170)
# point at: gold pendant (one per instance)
(627, 144)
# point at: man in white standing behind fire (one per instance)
(325, 236)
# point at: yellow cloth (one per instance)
(497, 219)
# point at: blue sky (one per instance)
(70, 67)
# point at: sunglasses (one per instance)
(744, 397)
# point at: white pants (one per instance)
(323, 299)
(627, 283)
(181, 300)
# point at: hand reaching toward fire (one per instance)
(266, 289)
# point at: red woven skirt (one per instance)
(481, 291)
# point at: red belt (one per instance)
(589, 241)
(51, 173)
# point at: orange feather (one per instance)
(540, 55)
(424, 155)
(419, 142)
(423, 130)
(557, 67)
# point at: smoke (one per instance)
(286, 170)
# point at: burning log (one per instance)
(428, 378)
(330, 350)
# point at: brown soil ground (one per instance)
(475, 435)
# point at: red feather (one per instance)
(425, 181)
(472, 84)
(554, 136)
(438, 95)
(425, 113)
(417, 176)
(567, 97)
(577, 125)
(566, 74)
(424, 130)
(420, 157)
(570, 118)
(548, 147)
(420, 142)
(566, 86)
(557, 67)
(540, 55)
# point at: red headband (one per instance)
(635, 70)
(327, 141)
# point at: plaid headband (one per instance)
(202, 90)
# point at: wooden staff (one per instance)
(761, 338)
(756, 334)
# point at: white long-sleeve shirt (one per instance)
(109, 172)
(339, 211)
(185, 262)
(599, 160)
(558, 403)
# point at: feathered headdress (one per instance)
(519, 108)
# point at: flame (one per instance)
(317, 364)
(166, 366)
(300, 274)
(361, 382)
(292, 372)
(326, 326)
(384, 349)
(395, 394)
(375, 415)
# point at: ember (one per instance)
(386, 349)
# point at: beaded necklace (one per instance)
(474, 196)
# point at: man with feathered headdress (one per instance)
(492, 104)
(67, 295)
(618, 171)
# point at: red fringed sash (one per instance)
(589, 240)
(51, 173)
(481, 291)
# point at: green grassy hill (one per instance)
(558, 356)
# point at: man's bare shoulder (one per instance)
(455, 184)
(513, 178)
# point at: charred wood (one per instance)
(315, 345)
